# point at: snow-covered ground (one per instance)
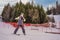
(57, 20)
(32, 33)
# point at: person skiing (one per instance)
(20, 24)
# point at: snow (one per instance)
(57, 19)
(32, 33)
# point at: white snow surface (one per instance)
(6, 33)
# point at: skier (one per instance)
(20, 24)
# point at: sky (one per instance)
(45, 3)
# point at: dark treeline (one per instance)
(32, 13)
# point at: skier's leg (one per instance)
(23, 30)
(16, 30)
